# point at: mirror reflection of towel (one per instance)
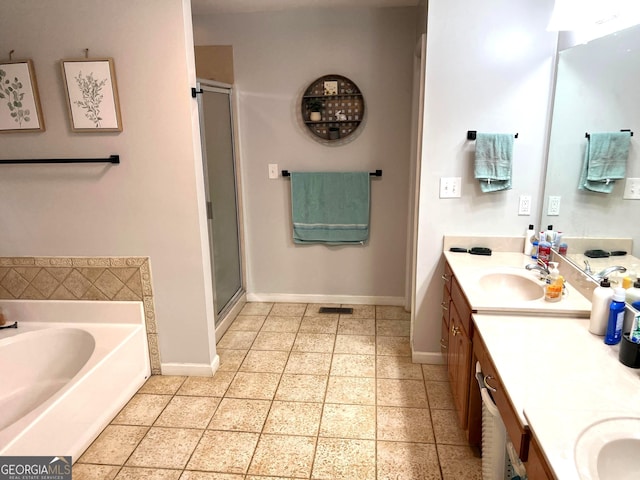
(605, 161)
(494, 156)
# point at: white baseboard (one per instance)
(333, 299)
(432, 358)
(191, 369)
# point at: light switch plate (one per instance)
(631, 189)
(273, 170)
(450, 187)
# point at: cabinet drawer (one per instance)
(518, 433)
(462, 305)
(444, 340)
(445, 305)
(447, 276)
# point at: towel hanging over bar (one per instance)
(472, 134)
(377, 173)
(588, 135)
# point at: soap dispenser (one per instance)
(555, 284)
(600, 307)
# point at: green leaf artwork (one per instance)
(10, 90)
(91, 89)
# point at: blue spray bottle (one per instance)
(616, 317)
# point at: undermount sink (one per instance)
(512, 284)
(609, 450)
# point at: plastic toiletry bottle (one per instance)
(600, 302)
(528, 240)
(544, 251)
(555, 284)
(630, 277)
(634, 334)
(633, 293)
(550, 235)
(534, 250)
(616, 317)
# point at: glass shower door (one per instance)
(220, 185)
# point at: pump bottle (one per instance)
(600, 307)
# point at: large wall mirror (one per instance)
(597, 90)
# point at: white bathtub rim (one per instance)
(16, 430)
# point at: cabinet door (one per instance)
(537, 468)
(444, 331)
(459, 365)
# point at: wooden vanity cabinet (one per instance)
(517, 432)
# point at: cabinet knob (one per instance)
(445, 277)
(444, 305)
(455, 330)
(486, 383)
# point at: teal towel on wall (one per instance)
(330, 207)
(494, 156)
(605, 161)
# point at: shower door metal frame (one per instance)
(204, 85)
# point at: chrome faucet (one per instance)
(608, 271)
(541, 268)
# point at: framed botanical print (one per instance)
(92, 95)
(19, 101)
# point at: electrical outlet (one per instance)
(450, 187)
(631, 189)
(273, 170)
(524, 207)
(554, 205)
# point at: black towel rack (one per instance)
(377, 173)
(112, 159)
(472, 134)
(588, 135)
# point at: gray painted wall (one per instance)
(276, 55)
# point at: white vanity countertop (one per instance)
(469, 268)
(560, 379)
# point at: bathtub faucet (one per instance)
(13, 325)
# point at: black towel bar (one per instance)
(112, 159)
(588, 135)
(377, 173)
(472, 134)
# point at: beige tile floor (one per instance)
(298, 395)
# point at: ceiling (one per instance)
(205, 7)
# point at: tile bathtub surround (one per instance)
(83, 278)
(299, 395)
